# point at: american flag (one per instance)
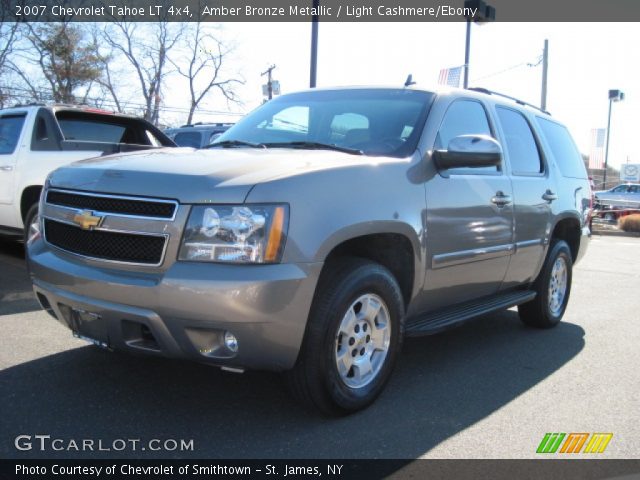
(596, 155)
(450, 76)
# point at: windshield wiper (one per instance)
(315, 146)
(235, 143)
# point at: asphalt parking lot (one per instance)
(489, 389)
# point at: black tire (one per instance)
(315, 379)
(28, 220)
(539, 312)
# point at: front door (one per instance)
(11, 125)
(469, 218)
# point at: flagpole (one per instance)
(606, 151)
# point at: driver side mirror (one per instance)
(469, 151)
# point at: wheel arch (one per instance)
(30, 195)
(568, 228)
(396, 249)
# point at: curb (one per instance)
(615, 233)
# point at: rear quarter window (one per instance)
(83, 126)
(563, 149)
(90, 131)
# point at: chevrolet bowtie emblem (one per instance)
(87, 221)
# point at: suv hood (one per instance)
(198, 176)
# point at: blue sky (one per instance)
(586, 60)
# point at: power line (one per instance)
(538, 61)
(123, 104)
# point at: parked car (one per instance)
(36, 139)
(317, 233)
(198, 135)
(623, 195)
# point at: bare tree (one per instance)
(107, 82)
(66, 57)
(146, 48)
(9, 36)
(204, 68)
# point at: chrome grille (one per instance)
(131, 230)
(112, 204)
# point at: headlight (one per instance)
(235, 233)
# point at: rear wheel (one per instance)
(353, 338)
(553, 287)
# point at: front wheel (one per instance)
(552, 286)
(31, 223)
(353, 338)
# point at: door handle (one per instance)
(6, 168)
(549, 196)
(500, 199)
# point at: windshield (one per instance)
(374, 121)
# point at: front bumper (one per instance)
(585, 238)
(181, 312)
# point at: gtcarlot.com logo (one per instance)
(574, 442)
(45, 443)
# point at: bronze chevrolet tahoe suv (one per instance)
(318, 232)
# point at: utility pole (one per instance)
(545, 66)
(269, 80)
(314, 46)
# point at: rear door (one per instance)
(534, 191)
(469, 217)
(634, 196)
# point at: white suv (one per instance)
(37, 139)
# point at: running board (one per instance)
(442, 319)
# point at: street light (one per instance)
(484, 13)
(614, 96)
(313, 68)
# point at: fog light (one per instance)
(230, 341)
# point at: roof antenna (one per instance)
(409, 81)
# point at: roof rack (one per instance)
(518, 101)
(207, 124)
(76, 106)
(30, 104)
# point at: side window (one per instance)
(464, 117)
(563, 149)
(524, 155)
(10, 129)
(634, 189)
(188, 139)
